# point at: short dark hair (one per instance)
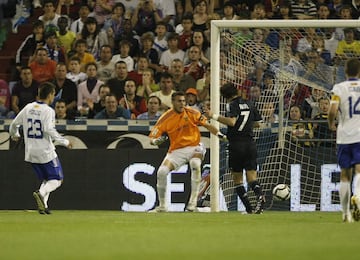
(228, 90)
(45, 89)
(177, 93)
(352, 67)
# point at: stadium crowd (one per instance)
(98, 51)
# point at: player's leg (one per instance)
(345, 192)
(161, 184)
(345, 163)
(195, 167)
(41, 174)
(237, 157)
(241, 191)
(251, 176)
(194, 155)
(54, 176)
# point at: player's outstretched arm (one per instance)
(221, 119)
(212, 129)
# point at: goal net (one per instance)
(285, 68)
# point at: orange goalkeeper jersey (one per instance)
(182, 128)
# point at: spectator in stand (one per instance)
(323, 12)
(185, 31)
(142, 65)
(173, 52)
(182, 81)
(66, 38)
(61, 111)
(65, 89)
(160, 40)
(191, 99)
(25, 90)
(112, 110)
(255, 94)
(30, 44)
(311, 106)
(229, 11)
(50, 18)
(195, 68)
(199, 39)
(179, 14)
(145, 17)
(77, 25)
(203, 85)
(153, 105)
(117, 83)
(69, 8)
(355, 5)
(285, 11)
(268, 113)
(5, 100)
(200, 12)
(321, 129)
(165, 92)
(147, 50)
(96, 107)
(103, 10)
(80, 52)
(75, 73)
(303, 9)
(115, 23)
(336, 6)
(55, 51)
(166, 11)
(132, 102)
(124, 55)
(94, 36)
(130, 35)
(272, 8)
(259, 12)
(346, 12)
(105, 67)
(346, 49)
(88, 91)
(148, 84)
(300, 130)
(43, 68)
(318, 44)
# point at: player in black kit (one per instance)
(241, 117)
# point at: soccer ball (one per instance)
(281, 192)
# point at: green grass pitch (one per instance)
(225, 235)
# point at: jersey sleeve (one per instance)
(14, 126)
(49, 129)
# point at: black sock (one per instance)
(241, 192)
(255, 186)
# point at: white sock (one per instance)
(47, 187)
(356, 184)
(161, 184)
(344, 193)
(195, 164)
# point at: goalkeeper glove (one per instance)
(222, 137)
(159, 140)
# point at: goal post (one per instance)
(279, 157)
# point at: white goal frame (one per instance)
(216, 26)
